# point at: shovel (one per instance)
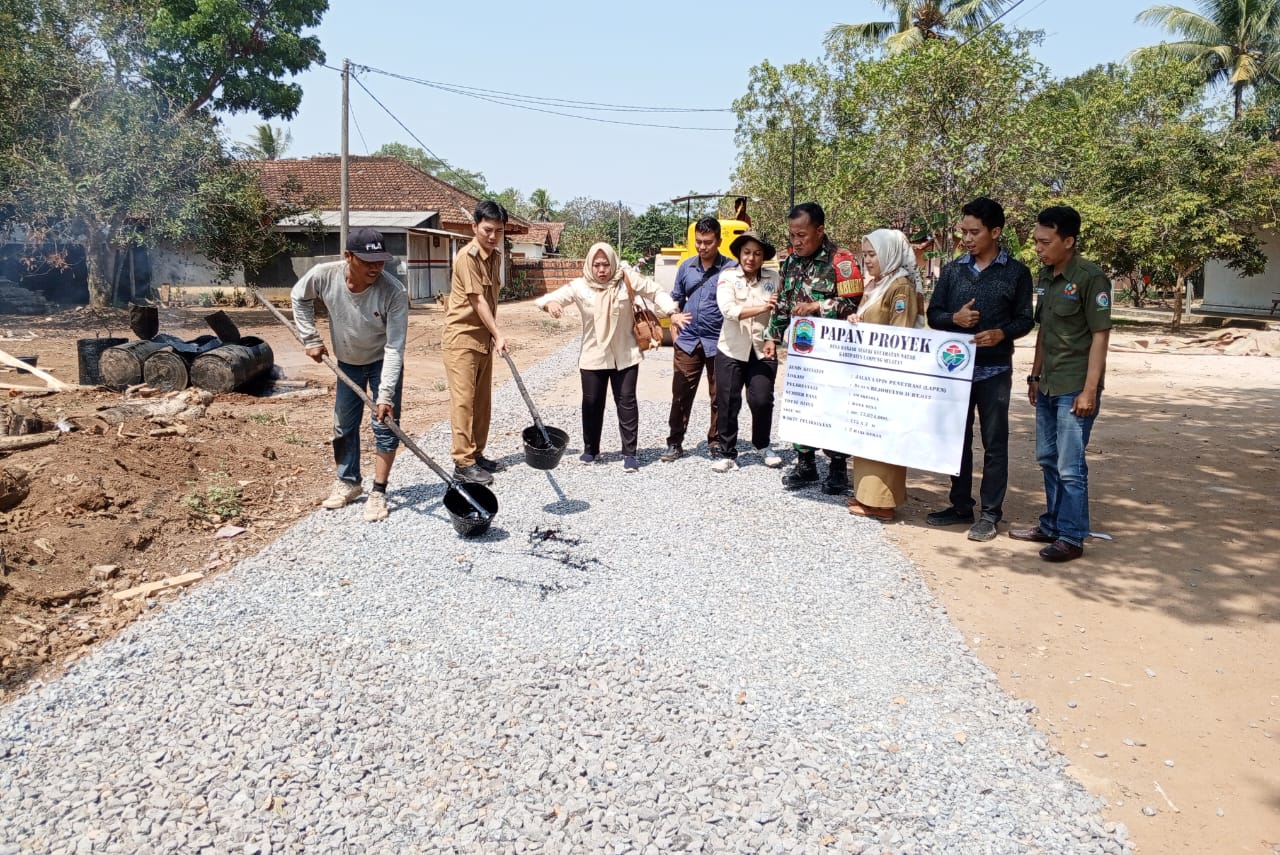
(524, 393)
(457, 486)
(544, 455)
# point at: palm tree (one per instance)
(916, 21)
(541, 204)
(1236, 42)
(268, 143)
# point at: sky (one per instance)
(664, 53)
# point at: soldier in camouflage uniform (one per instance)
(819, 279)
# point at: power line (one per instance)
(356, 121)
(553, 102)
(479, 191)
(986, 27)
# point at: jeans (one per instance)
(595, 386)
(758, 376)
(989, 401)
(1061, 438)
(347, 408)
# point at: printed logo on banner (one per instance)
(1103, 300)
(953, 355)
(803, 339)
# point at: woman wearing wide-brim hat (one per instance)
(747, 296)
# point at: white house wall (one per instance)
(1228, 292)
(186, 269)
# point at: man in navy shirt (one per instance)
(986, 294)
(698, 322)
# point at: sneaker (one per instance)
(724, 464)
(804, 473)
(950, 516)
(342, 494)
(490, 465)
(586, 458)
(472, 474)
(982, 531)
(770, 458)
(629, 464)
(375, 507)
(674, 452)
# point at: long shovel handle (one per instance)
(537, 419)
(389, 422)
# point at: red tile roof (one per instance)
(546, 234)
(376, 184)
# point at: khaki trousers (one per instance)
(470, 377)
(879, 485)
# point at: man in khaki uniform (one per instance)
(471, 338)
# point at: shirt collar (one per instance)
(1002, 257)
(484, 253)
(1068, 270)
(721, 261)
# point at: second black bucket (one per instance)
(89, 354)
(467, 521)
(536, 452)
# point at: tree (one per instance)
(1236, 42)
(121, 143)
(659, 226)
(1161, 184)
(470, 182)
(268, 143)
(229, 55)
(915, 22)
(541, 206)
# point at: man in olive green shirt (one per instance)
(1065, 386)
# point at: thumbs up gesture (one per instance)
(967, 317)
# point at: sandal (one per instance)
(860, 510)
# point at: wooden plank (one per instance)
(15, 362)
(152, 587)
(30, 440)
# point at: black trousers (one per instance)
(686, 374)
(757, 376)
(595, 387)
(989, 399)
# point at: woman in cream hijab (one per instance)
(889, 265)
(610, 356)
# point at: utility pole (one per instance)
(793, 161)
(619, 226)
(346, 166)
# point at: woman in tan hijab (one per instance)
(610, 356)
(890, 298)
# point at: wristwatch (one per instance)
(1033, 378)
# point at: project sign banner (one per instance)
(895, 394)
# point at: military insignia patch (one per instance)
(1103, 300)
(899, 306)
(844, 267)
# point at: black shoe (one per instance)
(949, 517)
(1060, 550)
(982, 531)
(837, 481)
(804, 473)
(1035, 535)
(490, 465)
(472, 474)
(674, 452)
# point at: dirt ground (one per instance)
(1152, 662)
(151, 507)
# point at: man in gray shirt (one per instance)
(368, 319)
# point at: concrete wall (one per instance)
(184, 268)
(1228, 292)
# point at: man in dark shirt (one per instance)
(698, 322)
(987, 294)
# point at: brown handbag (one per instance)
(646, 327)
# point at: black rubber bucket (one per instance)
(536, 453)
(88, 354)
(467, 521)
